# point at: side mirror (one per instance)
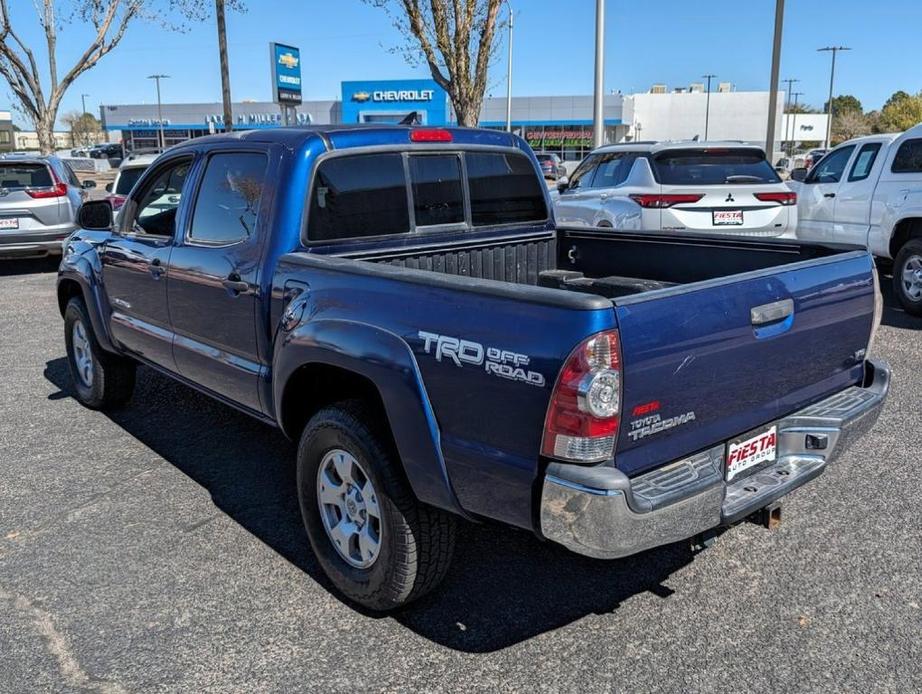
(563, 183)
(108, 187)
(88, 184)
(96, 215)
(799, 174)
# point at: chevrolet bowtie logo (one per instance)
(288, 60)
(361, 96)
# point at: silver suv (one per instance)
(39, 199)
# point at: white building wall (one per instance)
(733, 116)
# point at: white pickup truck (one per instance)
(868, 191)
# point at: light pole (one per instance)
(787, 124)
(707, 104)
(225, 70)
(598, 96)
(832, 77)
(509, 74)
(773, 85)
(796, 96)
(161, 138)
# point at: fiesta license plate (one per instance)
(725, 218)
(754, 449)
(9, 223)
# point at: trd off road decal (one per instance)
(496, 361)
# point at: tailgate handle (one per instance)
(771, 313)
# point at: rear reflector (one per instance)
(666, 200)
(430, 135)
(585, 409)
(58, 190)
(785, 198)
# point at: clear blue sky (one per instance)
(671, 41)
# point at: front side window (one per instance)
(437, 196)
(159, 200)
(228, 199)
(358, 196)
(864, 162)
(127, 178)
(908, 157)
(504, 189)
(831, 167)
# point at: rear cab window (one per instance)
(361, 195)
(908, 157)
(713, 166)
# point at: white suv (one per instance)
(716, 187)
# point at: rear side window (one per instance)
(437, 196)
(864, 162)
(14, 176)
(908, 157)
(582, 177)
(700, 167)
(356, 196)
(504, 189)
(228, 199)
(613, 169)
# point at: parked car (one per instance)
(399, 301)
(39, 199)
(128, 174)
(724, 188)
(107, 151)
(813, 156)
(868, 191)
(80, 152)
(551, 165)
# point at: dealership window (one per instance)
(228, 200)
(437, 197)
(908, 157)
(504, 189)
(357, 196)
(5, 137)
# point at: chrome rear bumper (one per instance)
(600, 512)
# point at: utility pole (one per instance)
(707, 104)
(598, 96)
(796, 96)
(225, 70)
(509, 74)
(83, 98)
(161, 138)
(832, 77)
(787, 93)
(773, 85)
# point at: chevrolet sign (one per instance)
(403, 95)
(361, 96)
(289, 60)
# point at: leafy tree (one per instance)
(85, 128)
(456, 38)
(898, 95)
(849, 124)
(902, 113)
(842, 104)
(801, 108)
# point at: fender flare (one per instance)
(82, 267)
(385, 360)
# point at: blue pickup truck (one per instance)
(400, 301)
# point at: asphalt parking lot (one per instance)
(160, 548)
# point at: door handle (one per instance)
(829, 195)
(771, 313)
(235, 285)
(155, 267)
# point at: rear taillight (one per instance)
(58, 190)
(878, 311)
(585, 409)
(782, 198)
(430, 135)
(666, 200)
(117, 201)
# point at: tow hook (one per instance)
(702, 541)
(768, 517)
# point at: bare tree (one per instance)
(84, 127)
(456, 38)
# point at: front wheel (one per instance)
(379, 546)
(907, 277)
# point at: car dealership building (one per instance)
(559, 124)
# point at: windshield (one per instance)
(25, 176)
(689, 167)
(127, 178)
(545, 157)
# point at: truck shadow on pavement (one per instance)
(30, 266)
(504, 587)
(894, 315)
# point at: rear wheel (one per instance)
(907, 277)
(101, 380)
(379, 546)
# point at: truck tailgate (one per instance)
(710, 361)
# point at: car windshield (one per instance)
(24, 176)
(688, 167)
(127, 178)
